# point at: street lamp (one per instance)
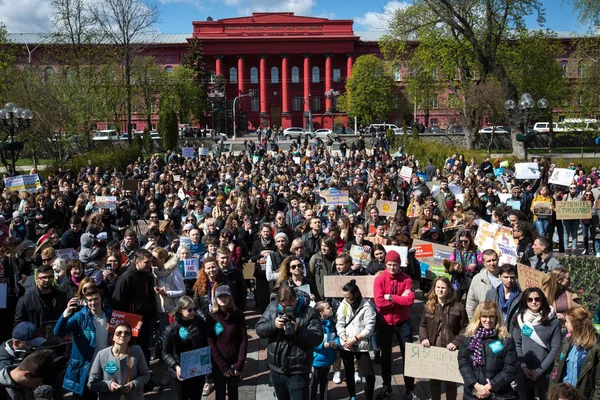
(12, 120)
(332, 95)
(523, 112)
(214, 97)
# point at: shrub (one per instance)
(148, 144)
(118, 157)
(585, 279)
(138, 142)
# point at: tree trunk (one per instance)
(470, 135)
(518, 147)
(128, 96)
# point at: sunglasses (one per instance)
(534, 300)
(464, 241)
(46, 259)
(192, 310)
(122, 333)
(296, 266)
(297, 248)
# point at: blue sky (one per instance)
(177, 15)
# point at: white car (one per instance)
(293, 133)
(488, 130)
(323, 133)
(106, 135)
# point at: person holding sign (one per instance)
(556, 288)
(292, 275)
(169, 284)
(187, 332)
(571, 226)
(119, 371)
(442, 325)
(541, 222)
(487, 356)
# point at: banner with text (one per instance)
(335, 197)
(30, 183)
(335, 283)
(573, 210)
(529, 277)
(419, 361)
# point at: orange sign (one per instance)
(134, 320)
(423, 250)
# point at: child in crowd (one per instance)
(325, 354)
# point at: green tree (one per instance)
(167, 123)
(149, 80)
(589, 11)
(195, 61)
(369, 92)
(6, 58)
(422, 85)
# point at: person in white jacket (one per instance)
(355, 326)
(485, 280)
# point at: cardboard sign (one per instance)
(30, 183)
(527, 170)
(203, 151)
(485, 236)
(514, 204)
(418, 362)
(195, 363)
(67, 254)
(335, 283)
(504, 197)
(573, 210)
(529, 277)
(188, 152)
(542, 208)
(189, 268)
(334, 197)
(359, 256)
(387, 208)
(423, 250)
(406, 173)
(508, 254)
(562, 176)
(134, 320)
(109, 202)
(131, 184)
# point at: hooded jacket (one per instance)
(87, 253)
(169, 278)
(325, 357)
(14, 391)
(352, 323)
(396, 310)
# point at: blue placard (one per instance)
(197, 249)
(195, 363)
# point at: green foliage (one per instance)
(585, 279)
(167, 125)
(118, 157)
(369, 92)
(147, 143)
(138, 141)
(195, 61)
(6, 58)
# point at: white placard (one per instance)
(562, 176)
(406, 173)
(529, 170)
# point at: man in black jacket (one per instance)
(234, 277)
(312, 239)
(293, 330)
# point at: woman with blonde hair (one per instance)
(577, 363)
(442, 324)
(487, 356)
(556, 288)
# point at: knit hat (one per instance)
(283, 235)
(392, 255)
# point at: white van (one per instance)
(581, 124)
(544, 127)
(385, 127)
(105, 135)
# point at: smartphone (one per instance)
(108, 267)
(81, 302)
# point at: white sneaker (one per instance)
(357, 378)
(337, 377)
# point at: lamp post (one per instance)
(251, 94)
(525, 111)
(12, 120)
(332, 95)
(214, 97)
(308, 114)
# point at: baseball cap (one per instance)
(28, 332)
(224, 289)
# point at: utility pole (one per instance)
(251, 94)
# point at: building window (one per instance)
(316, 103)
(233, 75)
(295, 75)
(255, 104)
(316, 75)
(337, 75)
(563, 65)
(434, 103)
(580, 70)
(433, 122)
(274, 75)
(212, 77)
(168, 69)
(152, 108)
(396, 72)
(397, 101)
(253, 75)
(297, 103)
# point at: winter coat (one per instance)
(453, 320)
(30, 305)
(81, 325)
(499, 367)
(529, 343)
(87, 253)
(494, 294)
(257, 248)
(69, 288)
(195, 335)
(319, 267)
(290, 354)
(480, 284)
(235, 279)
(352, 323)
(588, 381)
(325, 357)
(228, 340)
(396, 310)
(134, 293)
(204, 301)
(100, 379)
(169, 278)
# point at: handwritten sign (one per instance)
(527, 170)
(67, 254)
(514, 204)
(190, 267)
(484, 239)
(203, 151)
(195, 363)
(134, 320)
(359, 256)
(30, 183)
(529, 277)
(423, 250)
(197, 249)
(387, 208)
(418, 362)
(334, 197)
(562, 176)
(109, 202)
(188, 152)
(406, 173)
(335, 283)
(573, 210)
(542, 208)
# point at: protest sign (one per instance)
(176, 178)
(197, 249)
(423, 250)
(359, 256)
(334, 197)
(514, 204)
(406, 173)
(401, 250)
(297, 160)
(440, 255)
(387, 208)
(529, 277)
(573, 210)
(508, 254)
(67, 254)
(188, 152)
(562, 176)
(504, 197)
(542, 208)
(109, 202)
(527, 170)
(203, 151)
(485, 236)
(334, 284)
(189, 268)
(134, 320)
(30, 183)
(195, 363)
(131, 184)
(418, 362)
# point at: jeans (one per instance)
(571, 228)
(541, 226)
(366, 370)
(385, 334)
(290, 387)
(586, 230)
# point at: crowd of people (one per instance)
(265, 238)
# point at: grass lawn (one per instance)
(29, 161)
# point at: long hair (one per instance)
(550, 284)
(224, 310)
(284, 269)
(432, 299)
(583, 333)
(487, 308)
(545, 306)
(201, 285)
(184, 302)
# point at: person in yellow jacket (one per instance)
(541, 217)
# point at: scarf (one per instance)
(76, 280)
(528, 321)
(265, 243)
(476, 345)
(505, 303)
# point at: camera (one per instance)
(81, 302)
(288, 317)
(21, 353)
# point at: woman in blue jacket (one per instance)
(324, 354)
(89, 326)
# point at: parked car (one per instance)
(106, 135)
(496, 129)
(323, 133)
(434, 129)
(345, 131)
(544, 127)
(385, 127)
(155, 136)
(294, 132)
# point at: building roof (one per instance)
(147, 38)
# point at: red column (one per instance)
(349, 65)
(286, 116)
(263, 90)
(241, 84)
(219, 64)
(328, 79)
(307, 76)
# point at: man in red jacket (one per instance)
(393, 297)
